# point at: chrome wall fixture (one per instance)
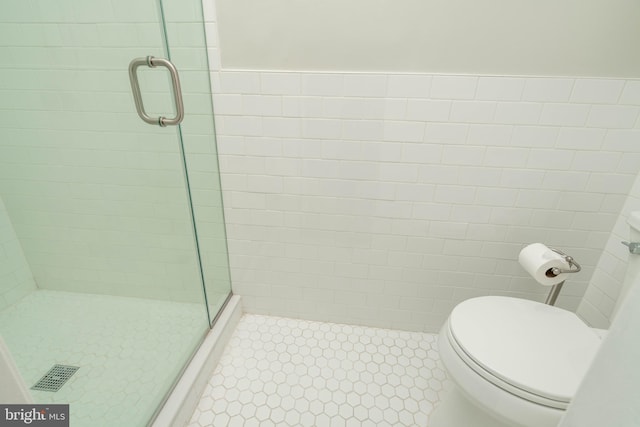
(152, 62)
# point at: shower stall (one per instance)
(113, 257)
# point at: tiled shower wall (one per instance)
(384, 199)
(97, 197)
(15, 276)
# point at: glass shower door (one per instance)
(99, 266)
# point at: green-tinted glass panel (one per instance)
(95, 219)
(186, 38)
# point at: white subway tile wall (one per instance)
(378, 199)
(383, 199)
(15, 276)
(96, 196)
(606, 282)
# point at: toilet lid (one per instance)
(534, 347)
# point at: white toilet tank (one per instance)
(633, 264)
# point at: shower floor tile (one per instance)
(129, 351)
(286, 372)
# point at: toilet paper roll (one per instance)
(538, 260)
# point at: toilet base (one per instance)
(455, 410)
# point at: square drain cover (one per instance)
(55, 378)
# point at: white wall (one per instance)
(609, 393)
(606, 283)
(545, 37)
(97, 197)
(16, 279)
(386, 198)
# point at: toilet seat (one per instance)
(534, 351)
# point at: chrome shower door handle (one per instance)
(152, 62)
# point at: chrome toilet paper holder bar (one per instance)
(574, 267)
(634, 247)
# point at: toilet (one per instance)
(515, 362)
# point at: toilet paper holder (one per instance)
(574, 267)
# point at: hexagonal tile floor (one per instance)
(285, 372)
(129, 351)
